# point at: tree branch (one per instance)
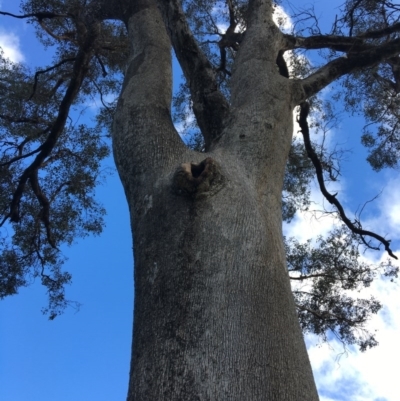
(339, 43)
(44, 202)
(209, 104)
(39, 15)
(334, 42)
(67, 60)
(345, 65)
(19, 157)
(324, 315)
(68, 36)
(302, 120)
(80, 68)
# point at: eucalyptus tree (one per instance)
(215, 315)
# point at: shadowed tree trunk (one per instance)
(214, 313)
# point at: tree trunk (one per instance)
(214, 313)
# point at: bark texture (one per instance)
(214, 313)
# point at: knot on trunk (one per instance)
(198, 180)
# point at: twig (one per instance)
(67, 60)
(103, 68)
(16, 158)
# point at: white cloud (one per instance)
(10, 44)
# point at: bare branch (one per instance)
(302, 120)
(103, 68)
(40, 15)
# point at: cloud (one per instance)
(10, 44)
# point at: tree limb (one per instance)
(67, 60)
(44, 202)
(302, 120)
(334, 42)
(80, 68)
(39, 15)
(345, 65)
(209, 104)
(21, 120)
(324, 315)
(19, 157)
(339, 43)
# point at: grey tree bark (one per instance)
(214, 313)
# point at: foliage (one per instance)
(326, 276)
(51, 163)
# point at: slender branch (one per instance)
(326, 314)
(101, 95)
(209, 105)
(103, 68)
(16, 158)
(379, 33)
(5, 218)
(59, 189)
(302, 120)
(21, 120)
(351, 15)
(67, 60)
(100, 9)
(40, 15)
(301, 278)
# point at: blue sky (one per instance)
(85, 355)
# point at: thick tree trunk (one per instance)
(214, 313)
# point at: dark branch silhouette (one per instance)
(67, 60)
(40, 16)
(302, 120)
